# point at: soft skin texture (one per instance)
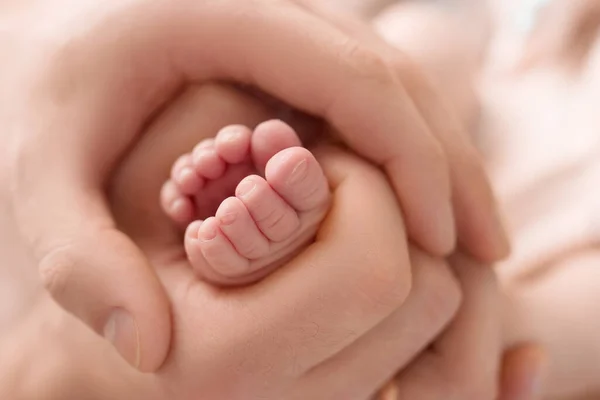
(366, 321)
(249, 200)
(551, 191)
(92, 74)
(407, 60)
(538, 120)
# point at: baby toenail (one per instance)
(207, 233)
(299, 172)
(231, 133)
(204, 144)
(186, 173)
(245, 188)
(201, 153)
(228, 218)
(177, 206)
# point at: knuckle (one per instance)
(385, 287)
(56, 270)
(365, 63)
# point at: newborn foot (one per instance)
(255, 199)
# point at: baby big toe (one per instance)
(269, 138)
(298, 178)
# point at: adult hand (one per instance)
(308, 330)
(476, 226)
(83, 84)
(567, 325)
(466, 361)
(287, 337)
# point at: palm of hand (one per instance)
(211, 327)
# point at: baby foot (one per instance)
(246, 225)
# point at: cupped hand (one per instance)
(309, 330)
(81, 87)
(245, 344)
(470, 360)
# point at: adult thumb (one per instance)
(523, 372)
(93, 270)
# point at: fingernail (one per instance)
(389, 392)
(122, 332)
(245, 188)
(535, 385)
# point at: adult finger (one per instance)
(361, 369)
(198, 113)
(523, 370)
(348, 281)
(463, 363)
(99, 275)
(341, 75)
(344, 284)
(142, 52)
(479, 227)
(478, 221)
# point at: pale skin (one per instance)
(581, 261)
(543, 94)
(385, 346)
(557, 255)
(239, 225)
(96, 72)
(479, 247)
